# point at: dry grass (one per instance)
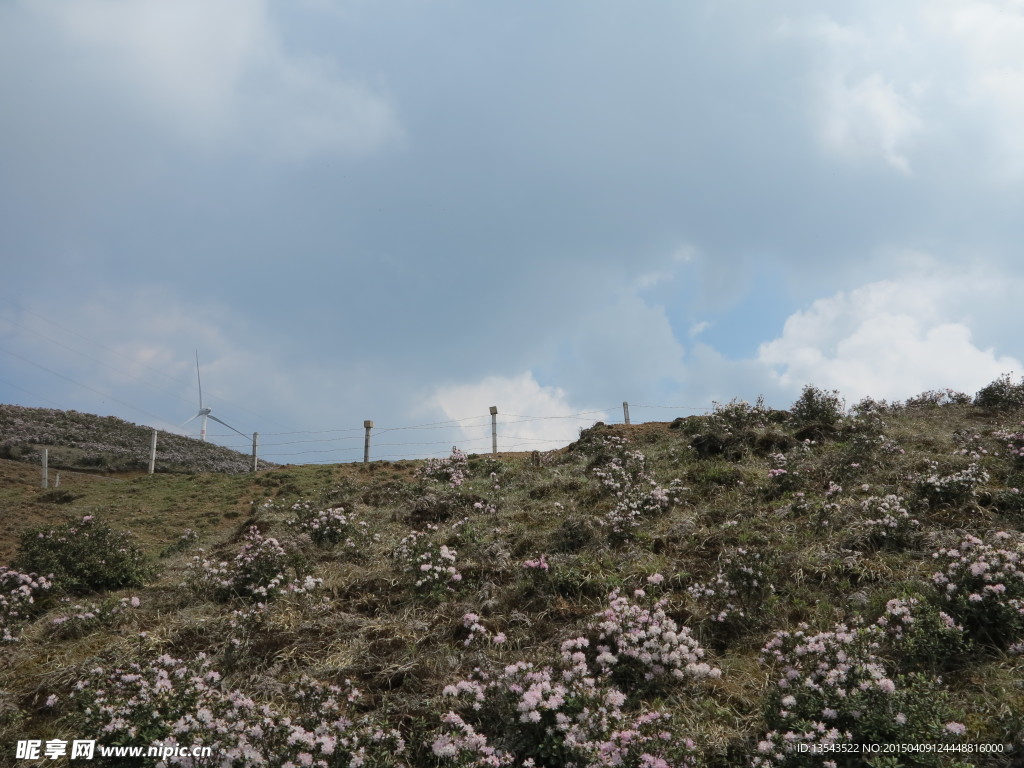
(368, 624)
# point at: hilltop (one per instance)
(86, 443)
(751, 587)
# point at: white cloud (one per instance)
(890, 339)
(698, 328)
(219, 75)
(933, 78)
(870, 118)
(530, 416)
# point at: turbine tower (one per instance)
(205, 412)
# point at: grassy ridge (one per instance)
(798, 546)
(88, 443)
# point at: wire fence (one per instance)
(509, 432)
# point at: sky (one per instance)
(411, 211)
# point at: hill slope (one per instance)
(88, 443)
(747, 588)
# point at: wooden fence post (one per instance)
(255, 442)
(367, 425)
(494, 430)
(46, 467)
(152, 454)
(625, 411)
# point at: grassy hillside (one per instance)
(746, 588)
(88, 443)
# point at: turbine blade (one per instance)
(192, 419)
(200, 380)
(214, 418)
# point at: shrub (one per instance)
(817, 407)
(430, 564)
(833, 689)
(328, 527)
(18, 592)
(886, 524)
(572, 711)
(452, 470)
(259, 571)
(1014, 442)
(739, 416)
(982, 585)
(84, 619)
(84, 555)
(937, 397)
(741, 590)
(637, 494)
(645, 645)
(922, 637)
(950, 489)
(167, 701)
(1001, 394)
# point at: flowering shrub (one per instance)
(1002, 394)
(83, 555)
(644, 644)
(937, 397)
(452, 470)
(816, 406)
(952, 489)
(1014, 442)
(886, 523)
(258, 571)
(563, 714)
(18, 592)
(430, 564)
(740, 590)
(574, 712)
(782, 477)
(982, 585)
(637, 494)
(473, 623)
(84, 619)
(833, 689)
(328, 527)
(738, 415)
(923, 637)
(172, 701)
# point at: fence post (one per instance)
(494, 430)
(367, 425)
(255, 442)
(46, 467)
(625, 411)
(152, 454)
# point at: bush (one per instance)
(571, 712)
(952, 489)
(937, 397)
(1001, 394)
(982, 586)
(833, 688)
(818, 407)
(328, 527)
(84, 555)
(18, 593)
(427, 562)
(259, 571)
(167, 701)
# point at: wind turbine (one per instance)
(205, 412)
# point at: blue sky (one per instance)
(410, 211)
